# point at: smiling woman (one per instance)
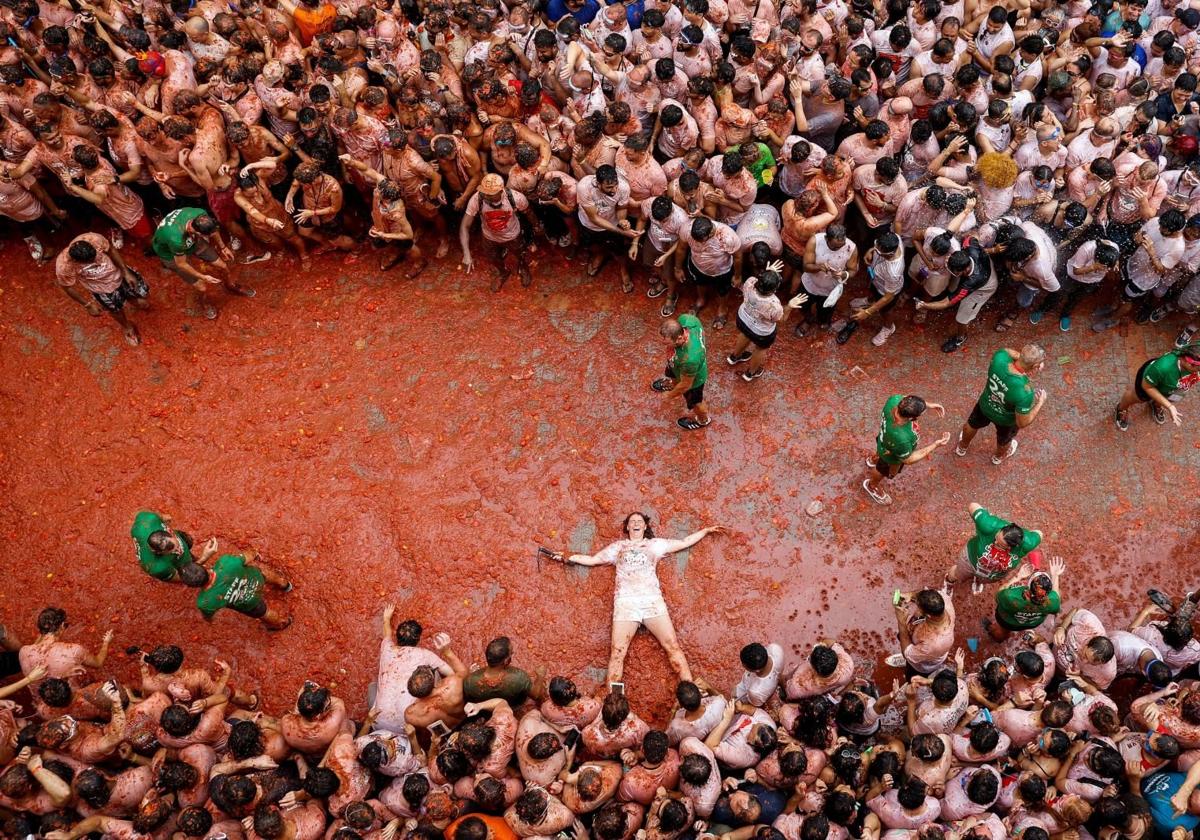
(637, 599)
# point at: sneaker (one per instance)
(118, 238)
(870, 462)
(1035, 317)
(662, 384)
(838, 325)
(1011, 451)
(235, 243)
(801, 330)
(896, 660)
(751, 375)
(737, 360)
(1158, 413)
(876, 496)
(846, 331)
(1106, 311)
(959, 449)
(953, 343)
(1122, 420)
(35, 248)
(883, 335)
(1104, 324)
(1185, 337)
(1064, 323)
(263, 257)
(859, 303)
(1160, 313)
(1143, 315)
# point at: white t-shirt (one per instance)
(663, 234)
(1040, 267)
(1169, 249)
(1084, 256)
(606, 206)
(761, 224)
(760, 313)
(757, 690)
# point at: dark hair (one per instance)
(615, 710)
(929, 601)
(415, 787)
(312, 702)
(1056, 713)
(851, 710)
(824, 659)
(175, 775)
(195, 821)
(177, 721)
(91, 786)
(562, 691)
(1101, 647)
(688, 695)
(453, 763)
(945, 683)
(606, 173)
(471, 828)
(499, 651)
(814, 827)
(204, 224)
(1029, 664)
(321, 782)
(51, 620)
(695, 769)
(422, 681)
(655, 746)
(408, 633)
(55, 692)
(911, 794)
(984, 737)
(984, 786)
(166, 659)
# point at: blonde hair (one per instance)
(997, 170)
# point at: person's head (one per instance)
(983, 738)
(674, 814)
(488, 794)
(823, 659)
(422, 681)
(655, 746)
(1099, 650)
(695, 769)
(175, 775)
(835, 234)
(944, 686)
(321, 783)
(269, 822)
(82, 251)
(177, 721)
(92, 787)
(927, 747)
(1169, 223)
(983, 787)
(930, 602)
(415, 787)
(911, 794)
(762, 739)
(688, 695)
(498, 653)
(531, 806)
(313, 701)
(1106, 762)
(194, 821)
(614, 710)
(851, 709)
(151, 814)
(471, 828)
(562, 691)
(993, 676)
(543, 745)
(1029, 665)
(877, 133)
(745, 807)
(51, 620)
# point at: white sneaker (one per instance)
(235, 243)
(35, 248)
(883, 335)
(118, 238)
(1012, 450)
(896, 660)
(959, 449)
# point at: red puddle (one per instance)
(414, 441)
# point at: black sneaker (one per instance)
(1161, 600)
(751, 375)
(1158, 413)
(662, 384)
(737, 360)
(845, 332)
(953, 343)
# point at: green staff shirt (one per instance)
(1166, 376)
(1014, 608)
(161, 566)
(235, 585)
(896, 440)
(1007, 394)
(691, 359)
(990, 559)
(171, 238)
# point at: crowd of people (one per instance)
(939, 153)
(1070, 729)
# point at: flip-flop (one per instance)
(976, 586)
(690, 424)
(663, 384)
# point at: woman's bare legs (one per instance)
(664, 631)
(622, 634)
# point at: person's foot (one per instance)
(132, 337)
(845, 332)
(737, 360)
(1185, 337)
(283, 625)
(565, 241)
(593, 266)
(976, 586)
(751, 375)
(240, 291)
(527, 277)
(871, 462)
(1064, 323)
(118, 238)
(836, 326)
(663, 384)
(1104, 324)
(263, 257)
(883, 335)
(953, 343)
(656, 290)
(668, 308)
(691, 424)
(210, 311)
(36, 249)
(627, 285)
(1161, 600)
(1159, 313)
(1035, 317)
(235, 244)
(1158, 413)
(498, 282)
(959, 449)
(1142, 316)
(880, 497)
(801, 329)
(1106, 311)
(1121, 418)
(719, 322)
(1008, 453)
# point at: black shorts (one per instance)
(402, 244)
(887, 470)
(257, 611)
(1137, 382)
(10, 663)
(760, 341)
(979, 420)
(1131, 293)
(692, 397)
(1009, 627)
(720, 283)
(604, 239)
(792, 259)
(115, 301)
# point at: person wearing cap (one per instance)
(498, 207)
(1157, 380)
(1025, 600)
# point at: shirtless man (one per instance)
(318, 718)
(390, 228)
(438, 699)
(420, 186)
(65, 660)
(322, 197)
(460, 165)
(269, 222)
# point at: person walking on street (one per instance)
(1008, 401)
(687, 371)
(896, 443)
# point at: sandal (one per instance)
(663, 384)
(977, 586)
(691, 424)
(656, 290)
(720, 322)
(594, 266)
(668, 308)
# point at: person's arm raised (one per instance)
(690, 540)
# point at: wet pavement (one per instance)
(384, 439)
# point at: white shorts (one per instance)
(639, 608)
(969, 308)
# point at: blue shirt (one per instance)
(1158, 789)
(556, 10)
